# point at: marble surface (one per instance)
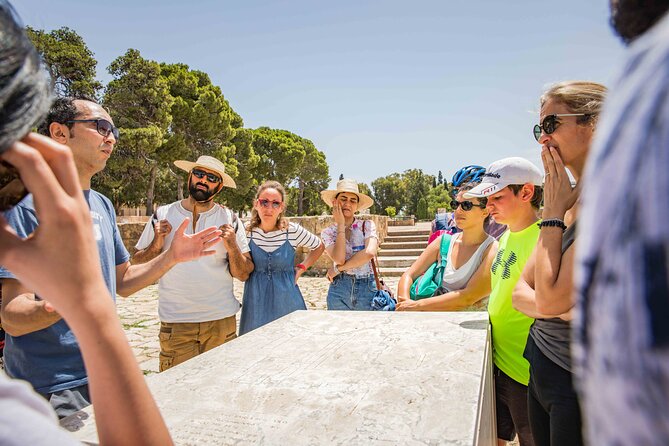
(331, 378)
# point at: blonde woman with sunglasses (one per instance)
(271, 290)
(470, 255)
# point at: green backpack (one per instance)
(427, 284)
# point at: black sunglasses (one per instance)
(466, 205)
(551, 123)
(210, 176)
(103, 127)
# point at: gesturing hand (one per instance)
(162, 228)
(186, 247)
(559, 196)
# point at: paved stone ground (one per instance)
(139, 316)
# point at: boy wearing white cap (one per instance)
(513, 189)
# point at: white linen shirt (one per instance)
(200, 290)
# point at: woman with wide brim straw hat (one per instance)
(351, 243)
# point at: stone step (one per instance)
(391, 272)
(404, 245)
(421, 232)
(415, 252)
(406, 238)
(396, 262)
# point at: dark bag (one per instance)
(427, 284)
(383, 297)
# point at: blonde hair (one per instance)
(281, 221)
(579, 97)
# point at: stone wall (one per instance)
(317, 224)
(131, 229)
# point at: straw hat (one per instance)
(347, 185)
(209, 163)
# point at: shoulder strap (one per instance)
(234, 219)
(443, 248)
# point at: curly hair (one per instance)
(281, 222)
(632, 18)
(62, 111)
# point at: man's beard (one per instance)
(199, 194)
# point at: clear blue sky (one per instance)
(379, 86)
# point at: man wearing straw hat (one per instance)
(196, 304)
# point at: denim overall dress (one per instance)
(270, 292)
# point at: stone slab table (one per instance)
(325, 377)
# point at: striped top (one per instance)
(271, 241)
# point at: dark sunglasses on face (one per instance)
(103, 127)
(466, 205)
(210, 176)
(551, 123)
(267, 203)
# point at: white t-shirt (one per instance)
(26, 417)
(199, 290)
(297, 236)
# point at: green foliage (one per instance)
(70, 62)
(364, 188)
(313, 176)
(139, 101)
(421, 209)
(417, 186)
(440, 178)
(203, 123)
(391, 211)
(438, 197)
(281, 154)
(389, 191)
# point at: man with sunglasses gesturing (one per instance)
(41, 348)
(196, 304)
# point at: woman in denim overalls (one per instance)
(271, 290)
(351, 244)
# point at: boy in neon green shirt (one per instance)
(513, 189)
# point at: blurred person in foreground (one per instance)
(62, 247)
(621, 326)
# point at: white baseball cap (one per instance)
(502, 173)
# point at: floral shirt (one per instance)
(355, 244)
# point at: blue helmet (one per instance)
(469, 174)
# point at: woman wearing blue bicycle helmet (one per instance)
(445, 222)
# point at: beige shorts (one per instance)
(181, 341)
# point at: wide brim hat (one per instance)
(351, 186)
(209, 163)
(503, 173)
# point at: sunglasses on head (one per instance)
(267, 203)
(210, 176)
(551, 123)
(103, 127)
(466, 205)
